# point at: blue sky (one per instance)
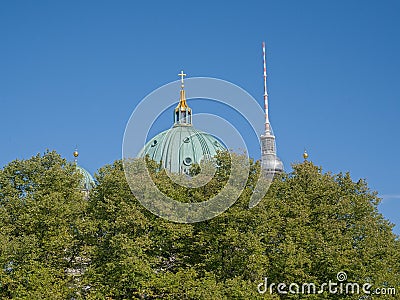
(71, 73)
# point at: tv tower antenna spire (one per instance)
(267, 125)
(270, 162)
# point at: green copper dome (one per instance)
(181, 146)
(87, 182)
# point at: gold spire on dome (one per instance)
(76, 154)
(183, 113)
(305, 155)
(182, 101)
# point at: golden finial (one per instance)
(76, 154)
(305, 155)
(182, 101)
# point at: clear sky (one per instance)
(71, 73)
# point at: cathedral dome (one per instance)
(181, 146)
(87, 182)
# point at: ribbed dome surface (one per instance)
(87, 182)
(180, 147)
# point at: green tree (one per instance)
(56, 244)
(310, 226)
(41, 214)
(320, 224)
(136, 254)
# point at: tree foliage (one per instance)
(308, 227)
(41, 215)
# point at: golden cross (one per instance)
(182, 75)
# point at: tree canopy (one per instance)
(56, 244)
(41, 213)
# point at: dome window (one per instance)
(187, 161)
(186, 140)
(154, 143)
